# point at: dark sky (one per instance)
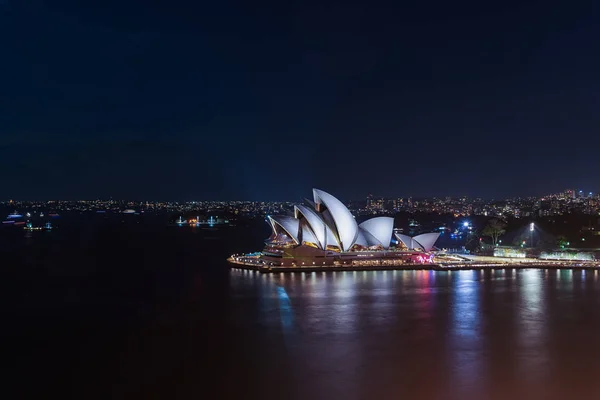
(263, 100)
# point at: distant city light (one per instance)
(531, 227)
(466, 224)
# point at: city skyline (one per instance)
(140, 199)
(565, 202)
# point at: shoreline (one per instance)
(414, 267)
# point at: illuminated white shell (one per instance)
(345, 227)
(381, 228)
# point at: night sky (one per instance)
(264, 100)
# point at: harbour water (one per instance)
(113, 309)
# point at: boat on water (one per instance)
(30, 227)
(210, 223)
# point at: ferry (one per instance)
(30, 227)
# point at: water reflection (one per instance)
(531, 351)
(466, 343)
(514, 333)
(285, 310)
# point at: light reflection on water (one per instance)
(465, 344)
(427, 333)
(531, 326)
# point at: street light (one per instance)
(531, 228)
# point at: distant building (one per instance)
(375, 205)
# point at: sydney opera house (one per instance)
(324, 232)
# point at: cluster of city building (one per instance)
(241, 208)
(565, 202)
(562, 203)
(568, 201)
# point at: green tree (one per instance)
(494, 229)
(562, 242)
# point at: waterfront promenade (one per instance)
(470, 263)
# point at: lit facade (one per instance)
(324, 232)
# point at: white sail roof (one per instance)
(345, 227)
(424, 241)
(371, 240)
(314, 221)
(289, 224)
(361, 239)
(407, 240)
(381, 228)
(330, 223)
(331, 239)
(427, 240)
(308, 236)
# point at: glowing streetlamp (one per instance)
(531, 228)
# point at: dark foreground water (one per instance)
(142, 311)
